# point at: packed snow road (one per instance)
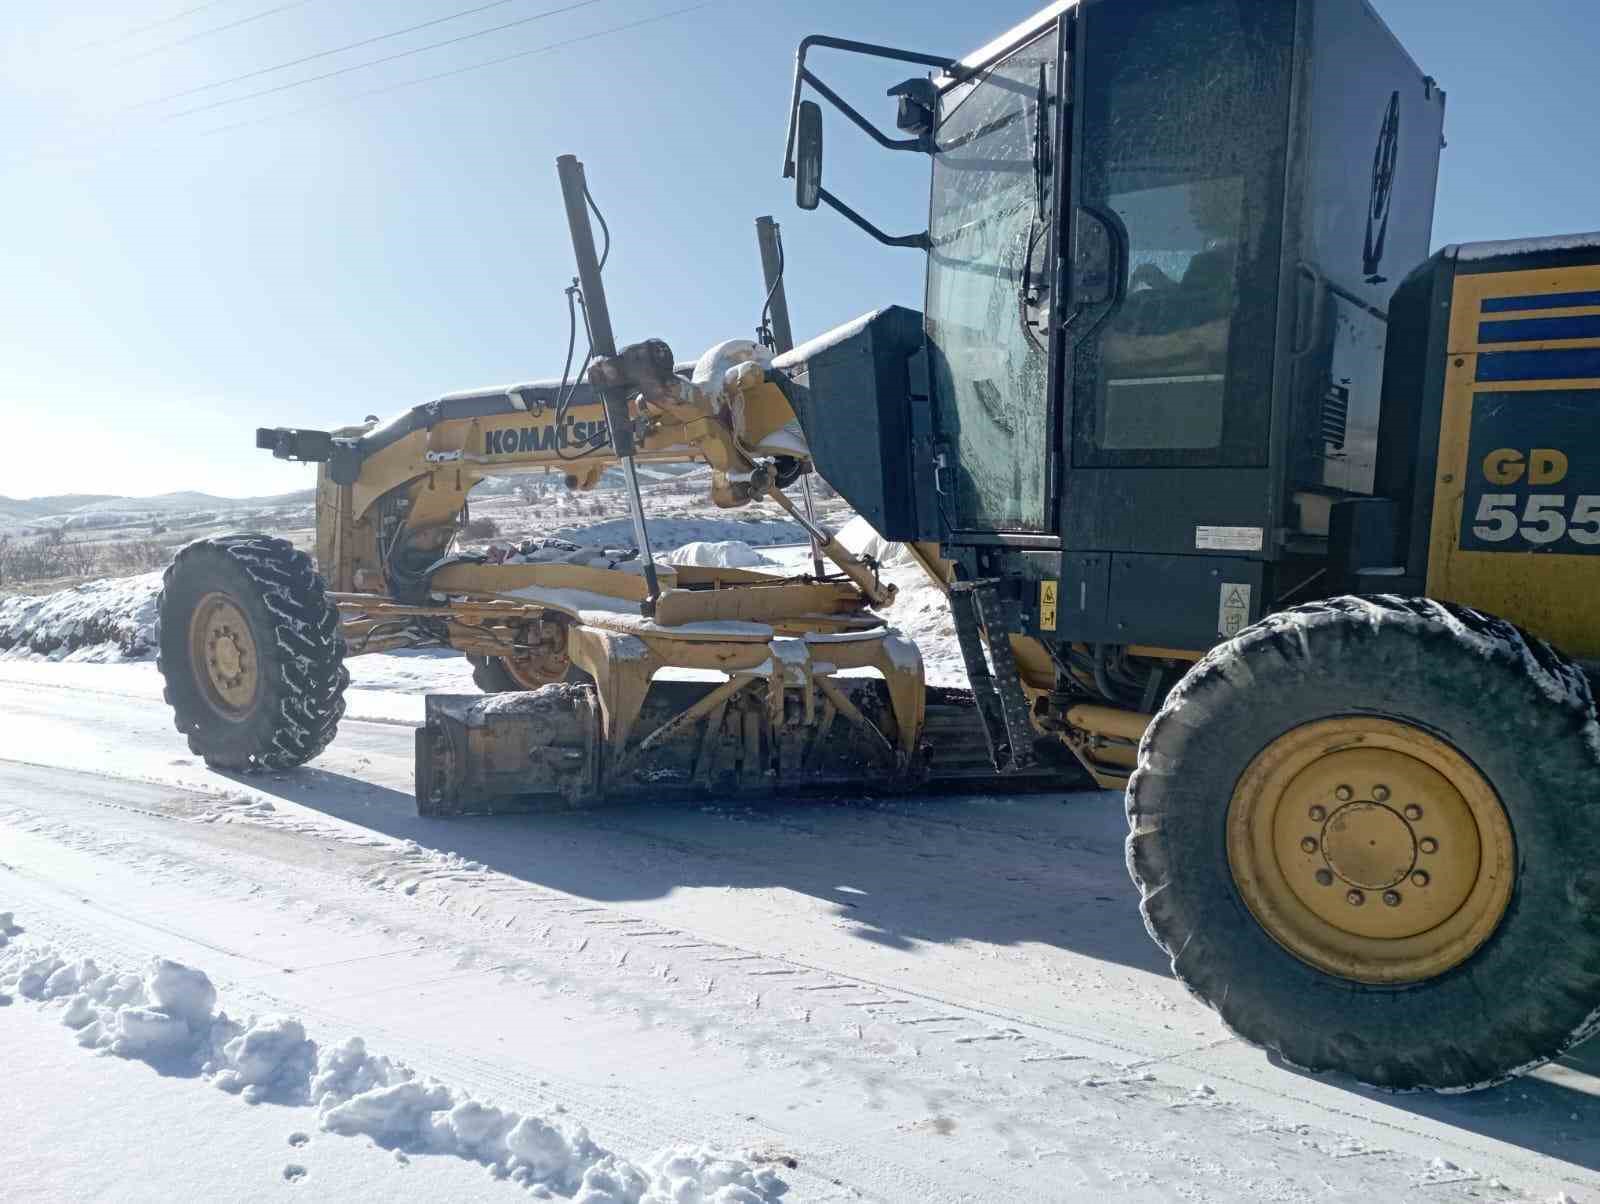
(934, 999)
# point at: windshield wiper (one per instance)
(1043, 160)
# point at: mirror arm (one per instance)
(919, 241)
(949, 66)
(877, 135)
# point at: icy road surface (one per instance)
(920, 1000)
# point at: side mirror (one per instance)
(808, 155)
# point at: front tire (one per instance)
(1365, 828)
(251, 652)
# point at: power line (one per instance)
(206, 33)
(321, 54)
(146, 27)
(495, 62)
(34, 160)
(388, 58)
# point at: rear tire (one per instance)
(1508, 707)
(251, 653)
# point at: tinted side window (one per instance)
(1185, 117)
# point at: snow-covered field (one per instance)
(235, 987)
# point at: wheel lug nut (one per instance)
(1428, 844)
(1344, 794)
(1319, 814)
(1413, 811)
(1420, 878)
(1308, 845)
(1355, 898)
(1380, 793)
(1324, 877)
(1392, 898)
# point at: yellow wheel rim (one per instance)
(1371, 849)
(531, 672)
(223, 653)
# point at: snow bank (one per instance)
(718, 554)
(168, 1017)
(101, 620)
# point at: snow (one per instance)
(718, 554)
(562, 551)
(74, 1127)
(1473, 251)
(102, 620)
(826, 339)
(860, 538)
(905, 997)
(675, 532)
(168, 1018)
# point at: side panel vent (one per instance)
(1335, 416)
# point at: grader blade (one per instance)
(544, 749)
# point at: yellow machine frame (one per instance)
(1551, 593)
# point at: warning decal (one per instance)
(1047, 605)
(1233, 611)
(1228, 539)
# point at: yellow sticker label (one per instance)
(1047, 605)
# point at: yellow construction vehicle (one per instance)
(1241, 501)
(254, 638)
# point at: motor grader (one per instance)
(1242, 501)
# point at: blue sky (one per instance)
(168, 287)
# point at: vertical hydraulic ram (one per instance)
(575, 193)
(776, 312)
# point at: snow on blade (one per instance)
(168, 1017)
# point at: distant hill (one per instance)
(61, 503)
(16, 511)
(96, 510)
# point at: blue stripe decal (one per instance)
(1571, 363)
(1529, 330)
(1500, 305)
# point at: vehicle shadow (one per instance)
(1005, 870)
(1554, 1112)
(1042, 869)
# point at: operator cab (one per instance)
(1161, 243)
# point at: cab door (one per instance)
(991, 256)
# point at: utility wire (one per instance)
(146, 27)
(206, 33)
(388, 58)
(352, 97)
(321, 54)
(494, 62)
